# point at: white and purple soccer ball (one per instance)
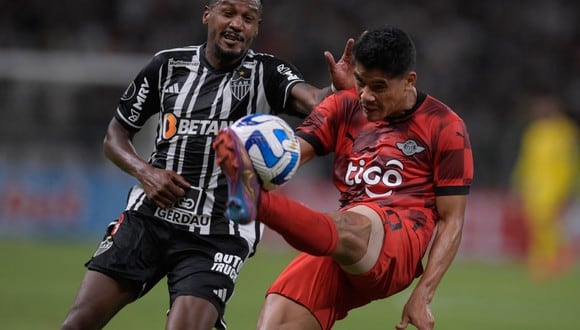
(272, 146)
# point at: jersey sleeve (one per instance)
(141, 99)
(453, 171)
(280, 77)
(320, 128)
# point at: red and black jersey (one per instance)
(401, 162)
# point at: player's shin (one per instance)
(303, 228)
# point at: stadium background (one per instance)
(63, 68)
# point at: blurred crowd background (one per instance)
(64, 65)
(483, 58)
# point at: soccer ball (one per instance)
(272, 146)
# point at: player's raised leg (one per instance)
(306, 230)
(244, 188)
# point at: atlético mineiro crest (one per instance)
(104, 246)
(409, 147)
(240, 84)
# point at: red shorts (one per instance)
(324, 288)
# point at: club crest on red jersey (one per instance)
(409, 147)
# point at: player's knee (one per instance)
(353, 237)
(280, 312)
(75, 322)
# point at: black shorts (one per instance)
(145, 249)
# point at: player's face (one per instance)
(381, 96)
(232, 27)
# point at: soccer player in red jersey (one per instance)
(403, 165)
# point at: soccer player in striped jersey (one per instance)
(403, 166)
(174, 223)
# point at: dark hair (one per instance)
(388, 49)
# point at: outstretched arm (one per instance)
(305, 96)
(162, 186)
(417, 311)
(307, 152)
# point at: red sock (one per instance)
(305, 229)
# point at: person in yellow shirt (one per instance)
(544, 178)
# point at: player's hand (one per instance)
(341, 72)
(418, 313)
(162, 186)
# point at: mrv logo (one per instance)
(227, 264)
(141, 97)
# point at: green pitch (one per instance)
(39, 280)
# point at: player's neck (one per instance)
(220, 62)
(411, 98)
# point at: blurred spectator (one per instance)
(545, 178)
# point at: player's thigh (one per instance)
(280, 312)
(354, 230)
(98, 299)
(205, 267)
(188, 312)
(133, 249)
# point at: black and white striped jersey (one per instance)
(193, 102)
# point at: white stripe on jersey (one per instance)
(226, 98)
(248, 232)
(135, 199)
(195, 93)
(262, 106)
(181, 155)
(212, 184)
(177, 49)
